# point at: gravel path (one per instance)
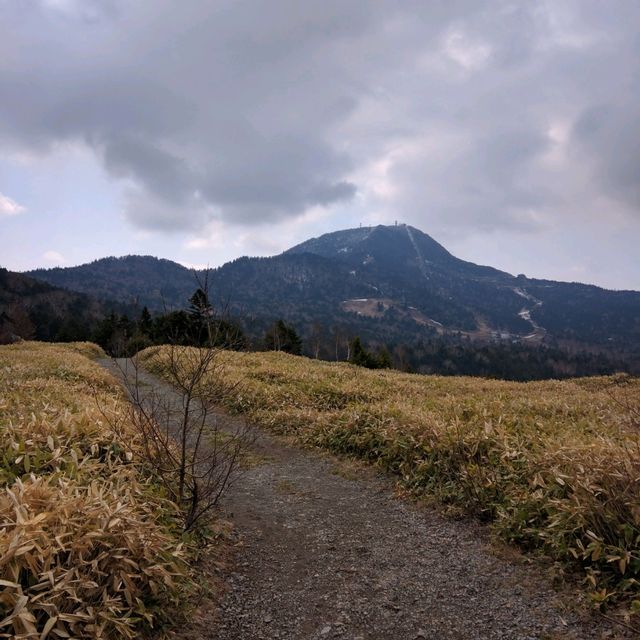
(330, 554)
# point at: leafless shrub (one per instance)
(194, 449)
(183, 433)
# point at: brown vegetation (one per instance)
(554, 466)
(89, 547)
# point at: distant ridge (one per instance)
(33, 309)
(392, 283)
(143, 280)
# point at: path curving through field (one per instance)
(327, 551)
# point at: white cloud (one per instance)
(469, 54)
(9, 207)
(54, 257)
(198, 266)
(213, 236)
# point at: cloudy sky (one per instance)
(202, 130)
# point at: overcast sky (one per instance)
(201, 130)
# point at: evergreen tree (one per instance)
(363, 358)
(105, 331)
(200, 319)
(283, 337)
(199, 305)
(384, 358)
(173, 328)
(72, 330)
(145, 324)
(360, 356)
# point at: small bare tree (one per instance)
(317, 336)
(194, 449)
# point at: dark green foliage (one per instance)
(435, 312)
(229, 334)
(506, 361)
(145, 324)
(72, 330)
(36, 310)
(202, 330)
(384, 358)
(360, 356)
(199, 305)
(172, 328)
(207, 328)
(363, 358)
(199, 326)
(309, 283)
(115, 333)
(282, 337)
(140, 280)
(585, 313)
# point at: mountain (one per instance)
(392, 284)
(395, 281)
(406, 269)
(139, 280)
(30, 308)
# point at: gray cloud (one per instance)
(477, 115)
(609, 136)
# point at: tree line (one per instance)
(199, 324)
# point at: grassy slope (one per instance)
(553, 465)
(88, 548)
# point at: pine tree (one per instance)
(199, 305)
(145, 324)
(283, 337)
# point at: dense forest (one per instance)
(199, 325)
(377, 296)
(421, 288)
(30, 309)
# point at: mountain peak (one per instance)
(400, 240)
(393, 281)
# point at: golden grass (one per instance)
(87, 548)
(552, 465)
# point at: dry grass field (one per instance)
(88, 546)
(553, 466)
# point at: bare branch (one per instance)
(189, 451)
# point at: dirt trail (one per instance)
(329, 554)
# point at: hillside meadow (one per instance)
(553, 466)
(88, 546)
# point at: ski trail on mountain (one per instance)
(538, 331)
(421, 261)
